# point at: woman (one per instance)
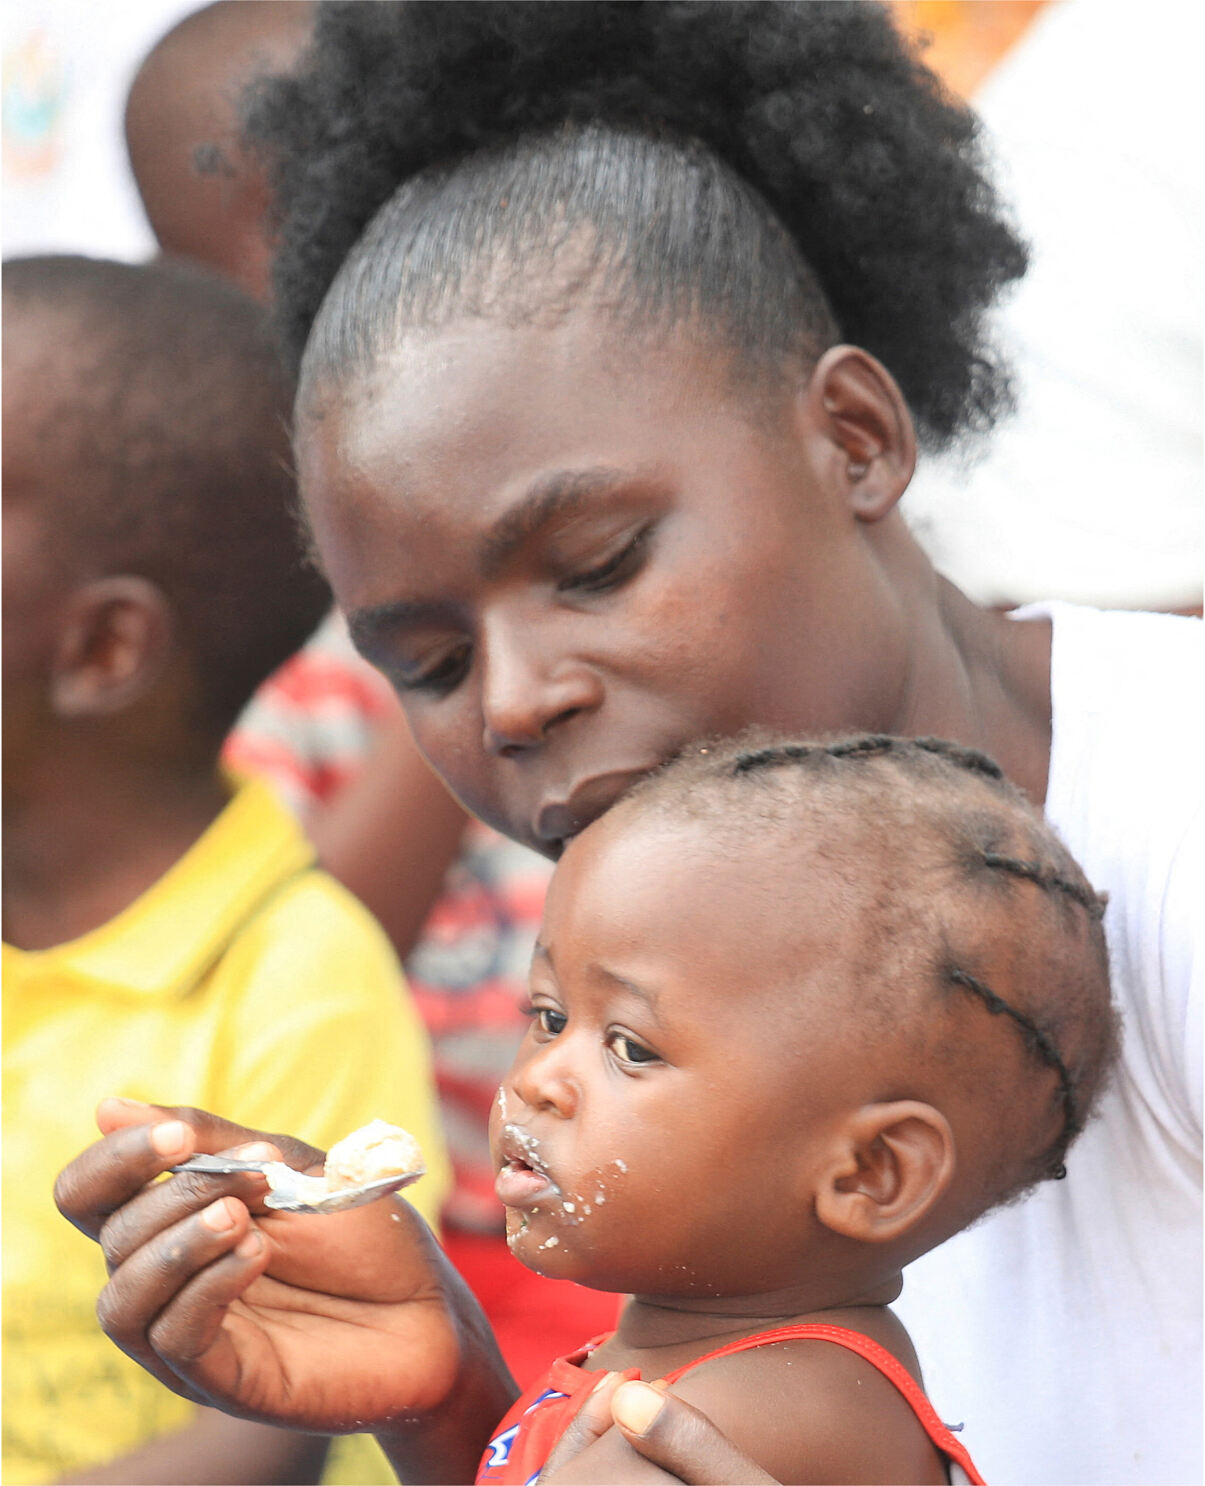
(604, 414)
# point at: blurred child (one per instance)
(203, 195)
(165, 927)
(799, 1012)
(460, 902)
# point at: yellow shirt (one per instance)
(247, 982)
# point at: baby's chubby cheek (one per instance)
(562, 1227)
(589, 1195)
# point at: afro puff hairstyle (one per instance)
(823, 109)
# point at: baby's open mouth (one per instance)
(521, 1178)
(520, 1185)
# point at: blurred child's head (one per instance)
(204, 195)
(152, 568)
(800, 1011)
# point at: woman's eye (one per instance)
(441, 677)
(628, 1050)
(615, 570)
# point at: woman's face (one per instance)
(572, 555)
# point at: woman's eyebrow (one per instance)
(551, 497)
(367, 625)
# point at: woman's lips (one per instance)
(558, 821)
(520, 1185)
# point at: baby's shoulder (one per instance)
(814, 1406)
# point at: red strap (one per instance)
(891, 1368)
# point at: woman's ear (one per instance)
(893, 1164)
(113, 646)
(867, 437)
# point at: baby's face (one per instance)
(665, 1115)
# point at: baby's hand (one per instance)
(327, 1324)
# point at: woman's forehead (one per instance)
(463, 428)
(515, 385)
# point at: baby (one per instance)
(799, 1013)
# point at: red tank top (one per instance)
(523, 1441)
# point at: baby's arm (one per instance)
(802, 1411)
(215, 1448)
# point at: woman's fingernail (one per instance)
(129, 1103)
(171, 1138)
(218, 1216)
(636, 1405)
(602, 1382)
(248, 1247)
(258, 1150)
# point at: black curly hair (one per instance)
(791, 170)
(975, 901)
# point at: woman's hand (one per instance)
(665, 1430)
(345, 1322)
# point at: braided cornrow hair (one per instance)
(788, 170)
(979, 807)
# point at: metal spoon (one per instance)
(294, 1192)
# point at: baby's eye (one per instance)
(550, 1022)
(628, 1050)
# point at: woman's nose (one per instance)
(528, 689)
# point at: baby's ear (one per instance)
(891, 1165)
(113, 646)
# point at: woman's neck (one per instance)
(980, 679)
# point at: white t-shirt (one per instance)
(1066, 1331)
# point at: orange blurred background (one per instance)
(967, 37)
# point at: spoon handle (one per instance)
(217, 1165)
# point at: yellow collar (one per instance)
(165, 941)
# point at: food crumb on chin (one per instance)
(550, 1243)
